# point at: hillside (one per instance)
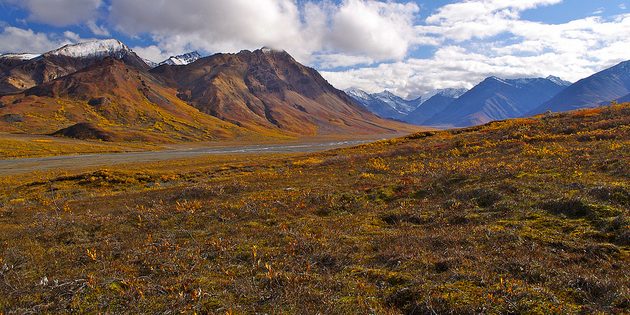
(497, 99)
(124, 101)
(101, 90)
(28, 73)
(268, 91)
(434, 105)
(519, 216)
(600, 88)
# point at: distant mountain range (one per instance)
(497, 99)
(182, 60)
(388, 105)
(434, 105)
(104, 86)
(598, 89)
(102, 89)
(384, 104)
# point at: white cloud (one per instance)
(464, 41)
(477, 18)
(59, 12)
(331, 60)
(152, 53)
(355, 28)
(381, 30)
(479, 38)
(96, 29)
(14, 39)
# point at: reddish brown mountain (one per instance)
(269, 90)
(19, 75)
(116, 98)
(102, 88)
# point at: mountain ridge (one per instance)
(23, 75)
(496, 99)
(104, 88)
(181, 60)
(602, 87)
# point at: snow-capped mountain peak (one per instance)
(93, 49)
(182, 59)
(558, 80)
(358, 94)
(451, 92)
(387, 94)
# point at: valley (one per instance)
(79, 161)
(245, 183)
(518, 216)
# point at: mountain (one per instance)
(435, 104)
(102, 90)
(384, 104)
(600, 88)
(114, 100)
(268, 91)
(182, 59)
(373, 104)
(497, 99)
(24, 74)
(8, 61)
(151, 64)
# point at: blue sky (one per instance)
(407, 47)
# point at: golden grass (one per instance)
(522, 216)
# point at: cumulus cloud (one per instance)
(351, 30)
(477, 18)
(58, 12)
(370, 44)
(153, 53)
(456, 67)
(381, 30)
(480, 38)
(14, 39)
(96, 29)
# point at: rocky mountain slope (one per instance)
(119, 100)
(267, 90)
(20, 76)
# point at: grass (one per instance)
(20, 146)
(519, 216)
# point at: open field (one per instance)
(520, 216)
(18, 145)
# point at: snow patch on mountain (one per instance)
(182, 59)
(450, 93)
(22, 56)
(93, 49)
(558, 80)
(396, 102)
(358, 94)
(150, 63)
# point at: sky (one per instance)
(407, 47)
